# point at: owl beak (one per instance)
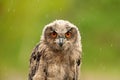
(61, 41)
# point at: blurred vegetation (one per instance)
(22, 21)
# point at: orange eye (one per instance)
(54, 34)
(68, 35)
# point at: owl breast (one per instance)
(56, 72)
(59, 67)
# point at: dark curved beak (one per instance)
(61, 41)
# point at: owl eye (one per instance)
(54, 34)
(68, 34)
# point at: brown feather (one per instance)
(49, 61)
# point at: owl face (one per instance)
(60, 35)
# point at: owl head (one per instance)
(61, 35)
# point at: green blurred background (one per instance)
(22, 21)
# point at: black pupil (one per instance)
(68, 33)
(54, 33)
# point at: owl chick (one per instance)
(58, 54)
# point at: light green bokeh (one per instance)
(22, 21)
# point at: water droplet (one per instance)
(13, 10)
(8, 10)
(100, 49)
(111, 45)
(47, 16)
(60, 9)
(38, 1)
